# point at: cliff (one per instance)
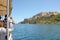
(44, 18)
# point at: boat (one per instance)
(5, 8)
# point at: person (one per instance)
(11, 22)
(5, 21)
(0, 17)
(2, 29)
(1, 22)
(2, 33)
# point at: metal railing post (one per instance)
(7, 20)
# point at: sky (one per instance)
(27, 8)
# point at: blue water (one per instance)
(36, 32)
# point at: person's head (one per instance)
(0, 17)
(6, 15)
(10, 17)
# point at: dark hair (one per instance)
(0, 17)
(10, 17)
(6, 15)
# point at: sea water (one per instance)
(36, 32)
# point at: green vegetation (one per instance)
(52, 19)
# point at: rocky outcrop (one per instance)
(44, 18)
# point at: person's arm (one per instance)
(13, 21)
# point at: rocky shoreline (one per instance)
(43, 18)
